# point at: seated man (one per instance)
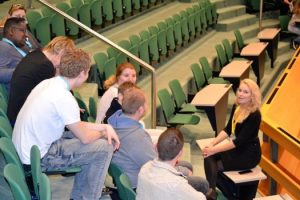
(34, 68)
(137, 147)
(14, 36)
(158, 179)
(41, 121)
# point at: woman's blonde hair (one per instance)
(114, 78)
(13, 8)
(296, 8)
(58, 44)
(255, 102)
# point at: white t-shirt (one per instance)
(105, 102)
(43, 117)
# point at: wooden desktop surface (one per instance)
(210, 95)
(268, 33)
(254, 49)
(236, 68)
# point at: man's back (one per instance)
(136, 148)
(33, 69)
(48, 108)
(160, 181)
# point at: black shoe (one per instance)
(295, 45)
(211, 194)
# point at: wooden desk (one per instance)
(214, 100)
(235, 71)
(256, 53)
(270, 35)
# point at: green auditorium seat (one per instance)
(222, 59)
(229, 51)
(84, 115)
(173, 119)
(57, 22)
(136, 4)
(207, 70)
(185, 29)
(134, 49)
(107, 10)
(45, 188)
(4, 91)
(96, 12)
(153, 49)
(198, 75)
(134, 40)
(3, 102)
(43, 31)
(162, 26)
(126, 184)
(127, 6)
(125, 44)
(33, 17)
(5, 126)
(153, 30)
(112, 52)
(72, 28)
(92, 109)
(100, 59)
(170, 40)
(84, 14)
(198, 23)
(115, 172)
(203, 19)
(17, 182)
(110, 68)
(178, 35)
(118, 8)
(144, 35)
(239, 40)
(181, 103)
(144, 51)
(170, 21)
(162, 43)
(191, 25)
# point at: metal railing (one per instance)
(107, 41)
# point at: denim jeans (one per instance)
(295, 30)
(93, 158)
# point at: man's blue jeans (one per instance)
(93, 158)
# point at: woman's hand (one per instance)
(208, 151)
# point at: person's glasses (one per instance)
(21, 29)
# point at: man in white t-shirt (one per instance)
(50, 108)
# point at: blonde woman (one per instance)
(125, 73)
(294, 24)
(243, 149)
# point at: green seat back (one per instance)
(4, 92)
(145, 35)
(170, 38)
(10, 153)
(45, 188)
(134, 40)
(93, 107)
(5, 127)
(170, 21)
(118, 8)
(162, 26)
(136, 4)
(153, 30)
(162, 42)
(36, 171)
(115, 172)
(100, 59)
(17, 182)
(284, 22)
(191, 24)
(221, 55)
(33, 17)
(96, 12)
(112, 52)
(176, 18)
(110, 68)
(126, 184)
(43, 32)
(153, 48)
(177, 93)
(127, 6)
(144, 51)
(178, 33)
(185, 29)
(145, 3)
(3, 102)
(206, 68)
(239, 39)
(134, 49)
(228, 49)
(166, 103)
(108, 10)
(121, 57)
(203, 18)
(84, 15)
(198, 76)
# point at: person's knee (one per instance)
(198, 183)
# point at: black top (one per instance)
(114, 106)
(247, 151)
(32, 69)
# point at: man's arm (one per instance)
(89, 132)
